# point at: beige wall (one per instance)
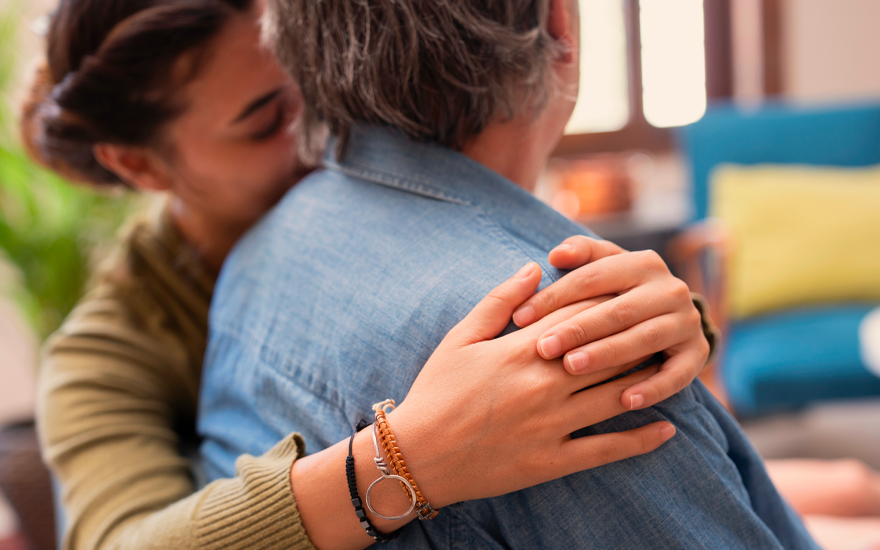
(18, 346)
(29, 44)
(831, 49)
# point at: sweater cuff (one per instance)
(257, 508)
(710, 331)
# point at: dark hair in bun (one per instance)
(111, 75)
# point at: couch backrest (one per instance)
(779, 134)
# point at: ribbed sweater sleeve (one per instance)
(106, 417)
(118, 391)
(226, 517)
(254, 510)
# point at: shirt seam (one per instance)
(513, 245)
(255, 348)
(398, 181)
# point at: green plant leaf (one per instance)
(49, 228)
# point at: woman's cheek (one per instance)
(282, 153)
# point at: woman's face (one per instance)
(233, 154)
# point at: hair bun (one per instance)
(54, 138)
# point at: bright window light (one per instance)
(603, 99)
(673, 61)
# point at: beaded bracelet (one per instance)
(389, 442)
(377, 535)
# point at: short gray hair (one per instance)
(438, 70)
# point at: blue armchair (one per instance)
(785, 359)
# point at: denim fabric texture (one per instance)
(339, 296)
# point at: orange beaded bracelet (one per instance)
(395, 457)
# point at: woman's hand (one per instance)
(651, 312)
(489, 416)
(486, 416)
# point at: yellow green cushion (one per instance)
(801, 235)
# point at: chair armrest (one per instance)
(701, 253)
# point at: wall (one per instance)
(29, 44)
(830, 49)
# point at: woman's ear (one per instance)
(561, 24)
(135, 166)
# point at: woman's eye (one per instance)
(273, 127)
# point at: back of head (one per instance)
(438, 70)
(111, 72)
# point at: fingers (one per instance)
(612, 317)
(536, 330)
(601, 403)
(577, 251)
(492, 314)
(645, 339)
(675, 374)
(597, 450)
(520, 349)
(614, 274)
(577, 383)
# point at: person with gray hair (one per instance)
(442, 116)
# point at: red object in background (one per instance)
(603, 184)
(26, 484)
(13, 543)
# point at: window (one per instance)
(603, 98)
(646, 66)
(673, 61)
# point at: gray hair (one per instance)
(438, 70)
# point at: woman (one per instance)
(178, 97)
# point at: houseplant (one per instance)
(50, 230)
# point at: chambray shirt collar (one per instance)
(385, 156)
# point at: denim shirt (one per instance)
(337, 298)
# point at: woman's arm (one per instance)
(486, 416)
(107, 416)
(110, 399)
(459, 454)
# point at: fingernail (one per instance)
(577, 361)
(526, 270)
(636, 401)
(667, 431)
(524, 316)
(551, 346)
(564, 248)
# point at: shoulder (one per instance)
(334, 224)
(146, 303)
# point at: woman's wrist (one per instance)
(429, 452)
(321, 491)
(710, 330)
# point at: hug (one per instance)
(347, 320)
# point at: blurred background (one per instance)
(741, 139)
(738, 138)
(50, 234)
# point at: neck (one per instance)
(212, 237)
(517, 150)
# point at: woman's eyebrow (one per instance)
(256, 105)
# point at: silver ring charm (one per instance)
(386, 474)
(412, 494)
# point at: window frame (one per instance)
(638, 133)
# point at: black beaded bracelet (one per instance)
(377, 535)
